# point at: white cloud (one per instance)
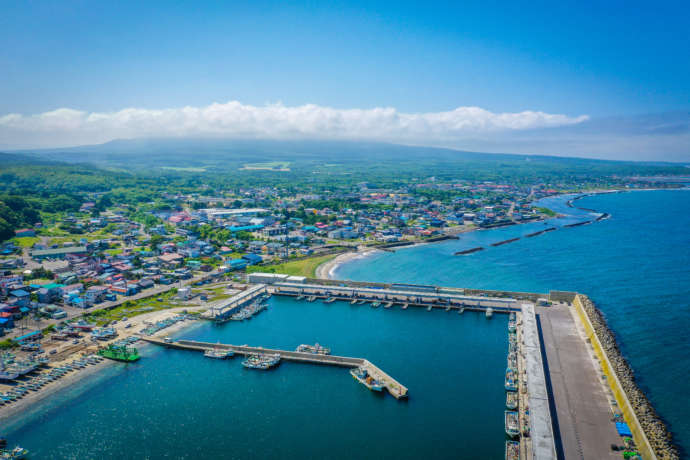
(232, 119)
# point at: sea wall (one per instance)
(651, 436)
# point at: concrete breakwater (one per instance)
(651, 434)
(469, 251)
(550, 229)
(500, 243)
(577, 224)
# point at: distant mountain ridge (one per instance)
(187, 151)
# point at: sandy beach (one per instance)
(34, 398)
(326, 270)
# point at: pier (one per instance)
(395, 388)
(403, 295)
(222, 309)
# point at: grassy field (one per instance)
(135, 307)
(303, 267)
(25, 241)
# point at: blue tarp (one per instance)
(245, 228)
(26, 336)
(623, 429)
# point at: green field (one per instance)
(303, 267)
(25, 241)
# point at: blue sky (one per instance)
(602, 60)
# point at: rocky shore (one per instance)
(655, 429)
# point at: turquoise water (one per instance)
(178, 404)
(175, 404)
(635, 266)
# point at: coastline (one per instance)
(13, 412)
(327, 269)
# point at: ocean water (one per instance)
(178, 404)
(635, 266)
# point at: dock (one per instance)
(446, 299)
(395, 388)
(224, 308)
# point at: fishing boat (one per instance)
(404, 306)
(311, 299)
(429, 308)
(361, 302)
(119, 353)
(512, 326)
(375, 304)
(461, 310)
(362, 376)
(489, 312)
(329, 300)
(261, 361)
(300, 297)
(511, 383)
(315, 349)
(218, 353)
(512, 450)
(512, 423)
(511, 400)
(388, 305)
(103, 333)
(18, 453)
(353, 302)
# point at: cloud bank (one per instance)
(67, 127)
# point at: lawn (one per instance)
(134, 307)
(25, 241)
(303, 267)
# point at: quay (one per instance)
(401, 294)
(224, 308)
(395, 388)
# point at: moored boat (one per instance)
(512, 400)
(512, 423)
(118, 353)
(261, 361)
(314, 349)
(512, 450)
(362, 376)
(218, 353)
(511, 383)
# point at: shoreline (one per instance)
(327, 269)
(10, 414)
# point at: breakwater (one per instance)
(469, 251)
(530, 235)
(577, 224)
(394, 387)
(651, 436)
(500, 243)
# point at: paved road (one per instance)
(582, 408)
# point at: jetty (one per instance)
(550, 229)
(404, 295)
(220, 310)
(500, 243)
(395, 388)
(469, 251)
